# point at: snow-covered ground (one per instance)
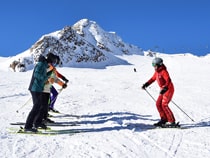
(103, 102)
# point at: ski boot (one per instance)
(160, 123)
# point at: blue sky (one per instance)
(169, 26)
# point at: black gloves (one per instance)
(163, 90)
(145, 85)
(64, 85)
(65, 80)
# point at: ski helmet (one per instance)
(51, 58)
(157, 62)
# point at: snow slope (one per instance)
(103, 102)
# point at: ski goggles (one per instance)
(153, 64)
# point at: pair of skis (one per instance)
(48, 131)
(176, 125)
(142, 126)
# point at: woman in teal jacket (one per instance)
(38, 80)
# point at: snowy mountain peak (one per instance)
(85, 44)
(108, 41)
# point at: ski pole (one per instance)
(173, 103)
(150, 95)
(182, 110)
(26, 103)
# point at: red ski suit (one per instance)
(163, 79)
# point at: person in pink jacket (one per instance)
(163, 79)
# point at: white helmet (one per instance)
(157, 62)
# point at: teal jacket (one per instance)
(39, 76)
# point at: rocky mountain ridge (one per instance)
(83, 43)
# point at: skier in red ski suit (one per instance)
(163, 79)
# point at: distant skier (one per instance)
(166, 92)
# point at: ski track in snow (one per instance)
(113, 114)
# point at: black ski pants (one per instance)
(39, 109)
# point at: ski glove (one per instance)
(65, 80)
(163, 90)
(64, 85)
(145, 85)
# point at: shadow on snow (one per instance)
(109, 122)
